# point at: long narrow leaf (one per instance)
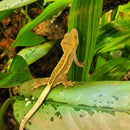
(112, 70)
(117, 43)
(85, 16)
(47, 13)
(113, 35)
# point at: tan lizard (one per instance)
(59, 74)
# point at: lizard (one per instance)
(59, 75)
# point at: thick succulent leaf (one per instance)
(18, 73)
(30, 39)
(112, 70)
(97, 105)
(84, 16)
(32, 54)
(13, 4)
(112, 36)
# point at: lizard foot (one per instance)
(68, 83)
(82, 63)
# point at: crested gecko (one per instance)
(59, 75)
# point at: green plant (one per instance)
(104, 50)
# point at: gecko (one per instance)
(59, 75)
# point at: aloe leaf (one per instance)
(88, 105)
(32, 54)
(18, 73)
(13, 4)
(113, 70)
(84, 16)
(48, 12)
(112, 36)
(3, 109)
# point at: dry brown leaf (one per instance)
(6, 42)
(55, 28)
(43, 28)
(15, 90)
(16, 20)
(121, 14)
(34, 12)
(11, 53)
(11, 32)
(5, 22)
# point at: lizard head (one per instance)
(70, 41)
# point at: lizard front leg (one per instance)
(67, 83)
(63, 79)
(38, 82)
(77, 62)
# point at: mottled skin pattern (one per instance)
(59, 75)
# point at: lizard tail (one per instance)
(35, 107)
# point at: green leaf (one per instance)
(32, 54)
(48, 12)
(104, 19)
(124, 12)
(46, 1)
(117, 43)
(29, 39)
(102, 59)
(4, 14)
(3, 109)
(112, 36)
(113, 70)
(126, 52)
(114, 13)
(84, 16)
(18, 73)
(13, 4)
(88, 105)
